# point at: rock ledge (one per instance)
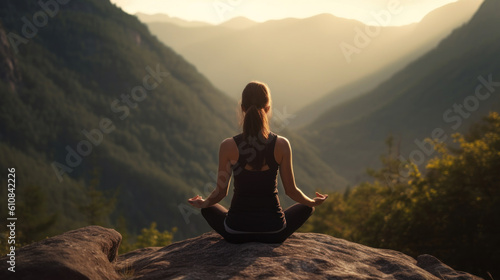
(91, 253)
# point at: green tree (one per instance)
(329, 218)
(34, 221)
(152, 237)
(462, 200)
(149, 237)
(96, 207)
(451, 212)
(122, 228)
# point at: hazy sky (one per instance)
(217, 11)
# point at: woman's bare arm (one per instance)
(223, 177)
(284, 159)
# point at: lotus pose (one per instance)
(254, 157)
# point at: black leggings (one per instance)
(295, 216)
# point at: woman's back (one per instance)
(255, 205)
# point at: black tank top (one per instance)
(255, 207)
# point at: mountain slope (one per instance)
(433, 95)
(434, 27)
(301, 59)
(93, 101)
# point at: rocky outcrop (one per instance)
(90, 253)
(86, 253)
(302, 256)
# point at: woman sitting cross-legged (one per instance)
(254, 157)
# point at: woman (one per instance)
(255, 156)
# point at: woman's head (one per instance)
(256, 105)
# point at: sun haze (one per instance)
(217, 11)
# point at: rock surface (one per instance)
(85, 253)
(302, 256)
(91, 253)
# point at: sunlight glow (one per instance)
(217, 11)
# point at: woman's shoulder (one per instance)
(282, 143)
(228, 149)
(282, 140)
(228, 142)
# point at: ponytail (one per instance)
(256, 104)
(255, 123)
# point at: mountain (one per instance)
(304, 59)
(92, 102)
(146, 18)
(238, 23)
(444, 91)
(462, 11)
(435, 26)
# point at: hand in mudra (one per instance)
(197, 201)
(319, 199)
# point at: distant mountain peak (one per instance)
(160, 17)
(480, 29)
(452, 8)
(325, 16)
(238, 23)
(487, 13)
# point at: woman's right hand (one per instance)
(197, 202)
(319, 199)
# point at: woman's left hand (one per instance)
(197, 201)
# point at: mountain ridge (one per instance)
(305, 51)
(353, 90)
(160, 17)
(238, 23)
